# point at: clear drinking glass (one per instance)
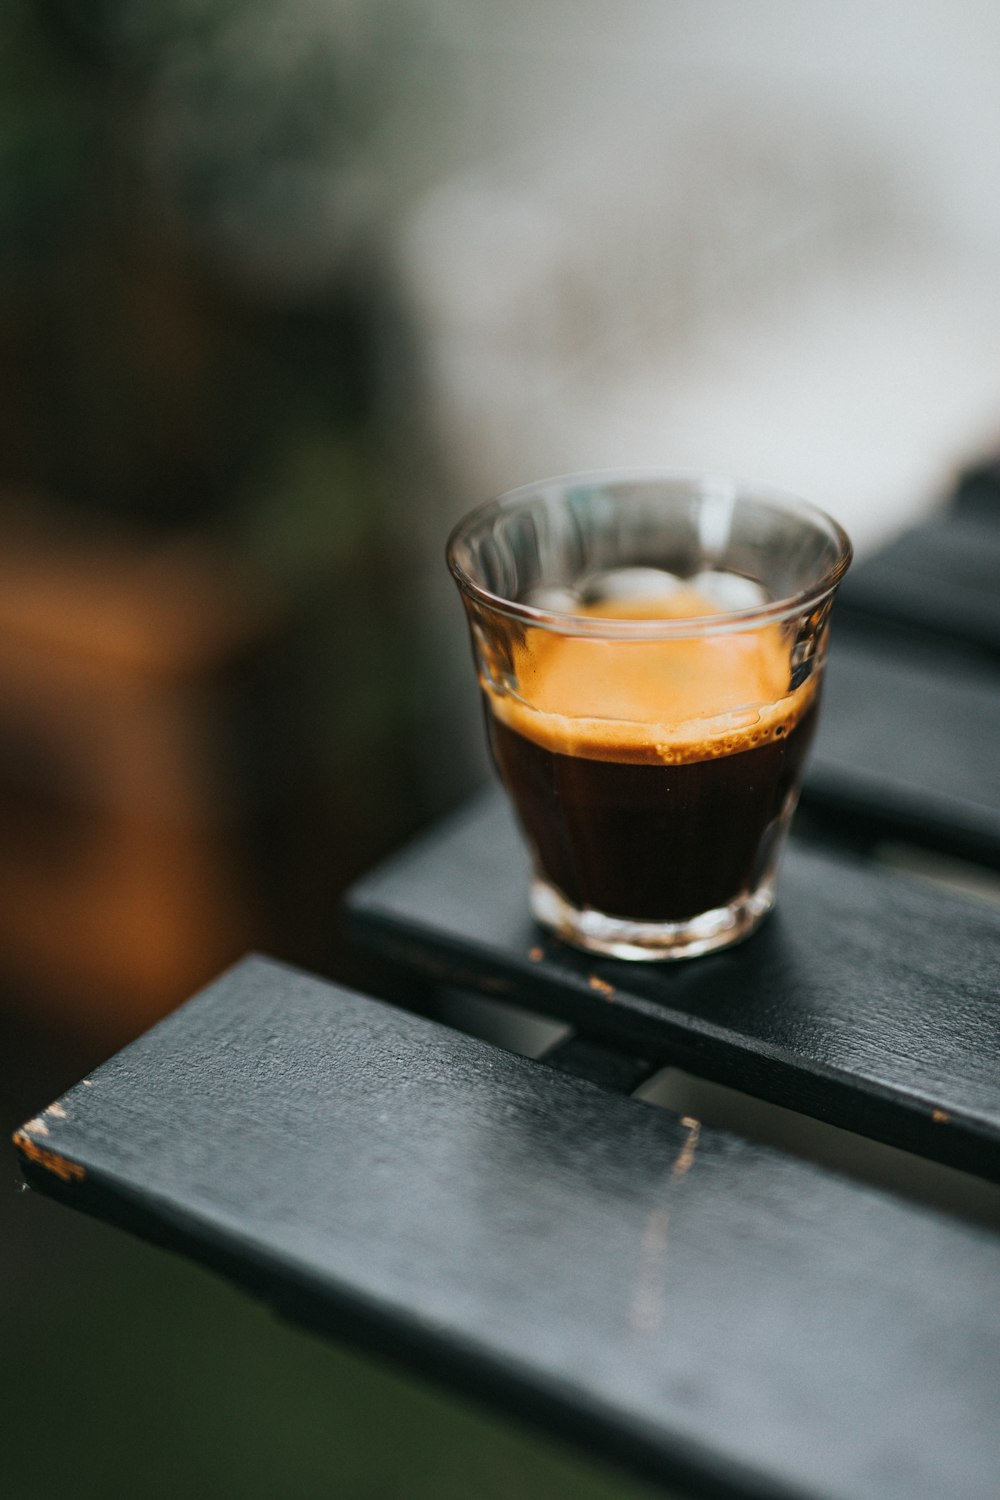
(650, 650)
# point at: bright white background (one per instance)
(758, 237)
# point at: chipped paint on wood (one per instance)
(649, 1293)
(601, 985)
(59, 1166)
(940, 1116)
(685, 1160)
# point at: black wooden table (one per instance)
(717, 1313)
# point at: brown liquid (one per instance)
(667, 807)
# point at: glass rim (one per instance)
(724, 622)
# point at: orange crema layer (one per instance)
(657, 702)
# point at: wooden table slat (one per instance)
(941, 576)
(908, 743)
(705, 1310)
(867, 999)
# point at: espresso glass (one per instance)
(650, 652)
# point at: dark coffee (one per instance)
(650, 649)
(648, 841)
(652, 776)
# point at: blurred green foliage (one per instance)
(188, 282)
(197, 335)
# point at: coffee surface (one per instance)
(659, 701)
(652, 777)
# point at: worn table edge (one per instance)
(949, 1136)
(466, 1368)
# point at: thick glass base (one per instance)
(618, 938)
